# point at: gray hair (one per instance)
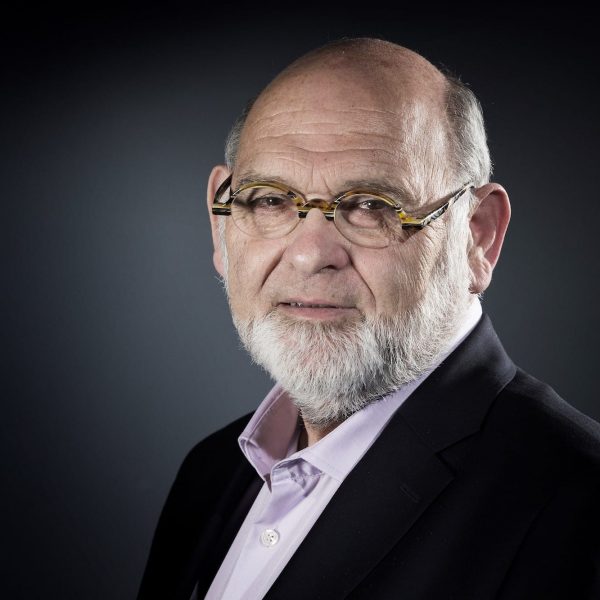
(233, 138)
(470, 153)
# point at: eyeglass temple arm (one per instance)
(222, 208)
(438, 212)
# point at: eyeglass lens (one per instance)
(268, 212)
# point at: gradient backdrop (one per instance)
(121, 353)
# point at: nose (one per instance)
(316, 244)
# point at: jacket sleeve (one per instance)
(559, 557)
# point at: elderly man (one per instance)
(401, 454)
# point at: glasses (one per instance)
(271, 210)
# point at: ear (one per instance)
(488, 226)
(217, 177)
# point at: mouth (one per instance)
(315, 309)
(309, 305)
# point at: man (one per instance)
(401, 453)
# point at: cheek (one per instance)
(238, 285)
(387, 278)
(401, 279)
(249, 263)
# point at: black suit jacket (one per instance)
(484, 484)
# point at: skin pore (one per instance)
(373, 114)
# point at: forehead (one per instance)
(320, 130)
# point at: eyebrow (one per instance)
(396, 191)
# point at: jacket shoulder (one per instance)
(554, 450)
(532, 415)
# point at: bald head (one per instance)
(422, 101)
(372, 59)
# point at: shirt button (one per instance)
(269, 537)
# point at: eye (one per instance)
(264, 211)
(366, 212)
(370, 204)
(269, 202)
(263, 200)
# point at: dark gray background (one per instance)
(120, 353)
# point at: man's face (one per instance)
(322, 133)
(320, 136)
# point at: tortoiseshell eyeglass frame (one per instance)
(328, 207)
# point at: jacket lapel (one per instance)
(375, 505)
(401, 474)
(220, 531)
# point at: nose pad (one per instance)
(318, 203)
(322, 206)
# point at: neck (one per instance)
(311, 434)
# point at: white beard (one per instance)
(333, 369)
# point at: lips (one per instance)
(310, 305)
(320, 309)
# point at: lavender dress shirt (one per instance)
(298, 484)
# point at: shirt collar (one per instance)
(272, 434)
